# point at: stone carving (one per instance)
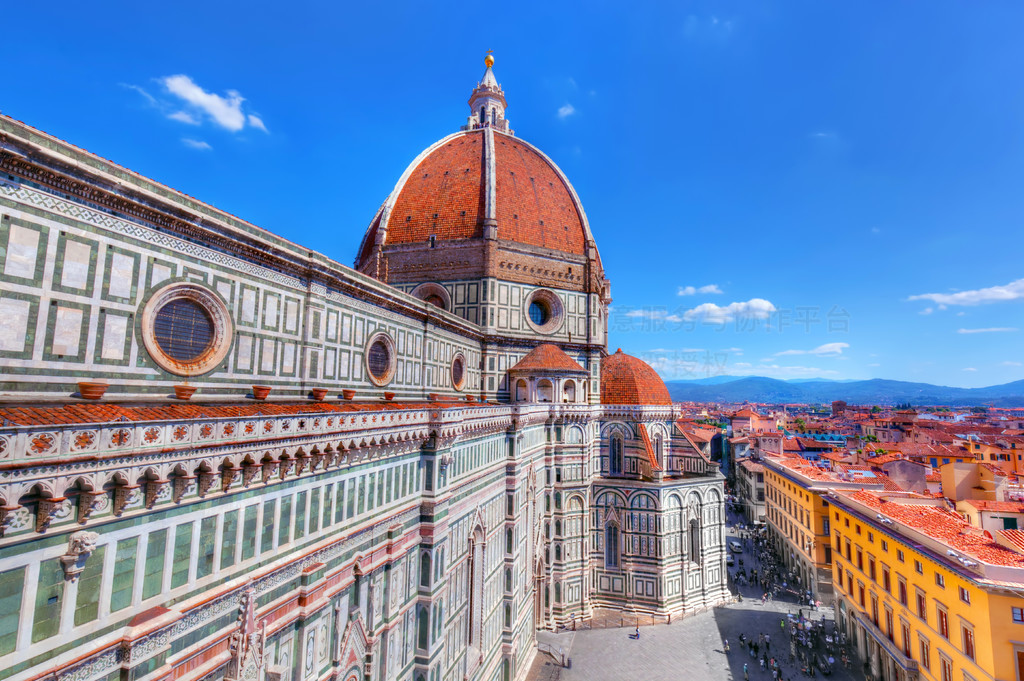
(89, 503)
(183, 486)
(126, 497)
(247, 643)
(80, 545)
(206, 483)
(48, 510)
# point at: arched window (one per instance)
(494, 116)
(695, 552)
(425, 569)
(611, 547)
(474, 584)
(657, 450)
(615, 459)
(545, 391)
(483, 116)
(522, 392)
(569, 393)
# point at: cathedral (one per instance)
(224, 456)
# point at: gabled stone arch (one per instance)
(616, 427)
(575, 503)
(650, 499)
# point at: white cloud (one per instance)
(993, 329)
(927, 310)
(993, 294)
(183, 117)
(1011, 364)
(566, 111)
(826, 350)
(755, 308)
(224, 111)
(196, 144)
(135, 88)
(969, 369)
(655, 315)
(694, 290)
(257, 122)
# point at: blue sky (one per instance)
(789, 189)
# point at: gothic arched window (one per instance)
(611, 547)
(615, 462)
(695, 552)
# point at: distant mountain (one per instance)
(822, 391)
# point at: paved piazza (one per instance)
(689, 649)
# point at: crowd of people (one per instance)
(806, 642)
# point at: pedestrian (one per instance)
(726, 646)
(746, 674)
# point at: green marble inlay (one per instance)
(49, 598)
(12, 583)
(87, 605)
(124, 574)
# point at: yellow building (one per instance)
(798, 518)
(922, 594)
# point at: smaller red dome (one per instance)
(628, 380)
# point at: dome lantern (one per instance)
(487, 103)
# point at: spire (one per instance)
(487, 103)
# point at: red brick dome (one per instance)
(628, 380)
(476, 178)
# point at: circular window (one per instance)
(539, 313)
(380, 358)
(186, 329)
(459, 371)
(544, 311)
(183, 329)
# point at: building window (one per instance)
(544, 311)
(458, 371)
(380, 358)
(1018, 615)
(860, 559)
(902, 587)
(186, 329)
(940, 580)
(611, 547)
(947, 668)
(918, 568)
(615, 463)
(926, 653)
(905, 631)
(871, 569)
(968, 639)
(922, 606)
(886, 583)
(885, 545)
(943, 621)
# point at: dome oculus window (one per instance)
(544, 311)
(186, 329)
(459, 371)
(380, 358)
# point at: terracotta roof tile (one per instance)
(548, 357)
(629, 380)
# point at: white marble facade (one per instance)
(427, 538)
